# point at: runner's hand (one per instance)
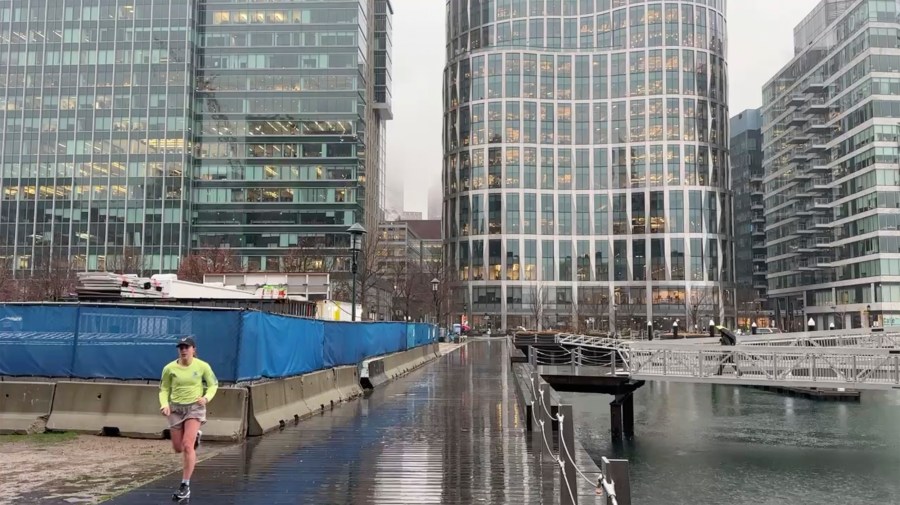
(165, 411)
(202, 401)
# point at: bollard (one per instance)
(811, 325)
(615, 472)
(649, 331)
(753, 328)
(568, 484)
(712, 329)
(675, 329)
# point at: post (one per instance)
(615, 472)
(649, 330)
(533, 418)
(353, 269)
(628, 415)
(567, 477)
(712, 329)
(546, 424)
(615, 419)
(675, 329)
(753, 328)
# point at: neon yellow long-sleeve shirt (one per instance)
(184, 384)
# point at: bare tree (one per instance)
(218, 260)
(52, 279)
(698, 307)
(371, 265)
(8, 291)
(595, 305)
(131, 261)
(305, 257)
(537, 303)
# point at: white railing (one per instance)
(805, 365)
(868, 340)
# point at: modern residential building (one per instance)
(749, 218)
(830, 144)
(585, 163)
(152, 128)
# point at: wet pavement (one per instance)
(450, 433)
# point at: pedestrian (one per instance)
(182, 400)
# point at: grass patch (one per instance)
(40, 438)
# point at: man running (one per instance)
(183, 401)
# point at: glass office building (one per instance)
(96, 121)
(155, 127)
(585, 163)
(830, 133)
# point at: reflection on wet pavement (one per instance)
(449, 432)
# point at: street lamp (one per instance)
(434, 290)
(356, 234)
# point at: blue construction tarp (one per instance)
(37, 340)
(133, 342)
(349, 343)
(278, 346)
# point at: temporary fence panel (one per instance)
(277, 346)
(136, 343)
(349, 343)
(37, 340)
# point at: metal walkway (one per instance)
(450, 433)
(861, 361)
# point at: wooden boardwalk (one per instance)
(450, 432)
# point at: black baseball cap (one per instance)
(188, 341)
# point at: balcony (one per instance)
(815, 85)
(797, 99)
(801, 138)
(822, 203)
(818, 125)
(797, 119)
(818, 167)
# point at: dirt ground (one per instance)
(82, 468)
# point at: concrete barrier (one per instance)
(25, 406)
(226, 415)
(320, 390)
(347, 381)
(276, 404)
(403, 362)
(372, 373)
(102, 408)
(132, 410)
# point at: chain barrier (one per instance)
(602, 485)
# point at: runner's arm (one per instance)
(165, 385)
(212, 384)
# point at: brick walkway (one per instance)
(449, 433)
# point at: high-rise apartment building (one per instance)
(830, 143)
(749, 218)
(585, 163)
(150, 128)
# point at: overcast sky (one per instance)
(760, 37)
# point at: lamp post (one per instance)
(356, 234)
(434, 290)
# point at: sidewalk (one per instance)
(449, 433)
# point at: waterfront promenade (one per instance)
(450, 432)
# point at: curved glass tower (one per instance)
(585, 163)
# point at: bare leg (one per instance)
(177, 436)
(191, 426)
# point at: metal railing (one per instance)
(869, 361)
(564, 458)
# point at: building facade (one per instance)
(411, 258)
(153, 128)
(749, 218)
(830, 143)
(586, 178)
